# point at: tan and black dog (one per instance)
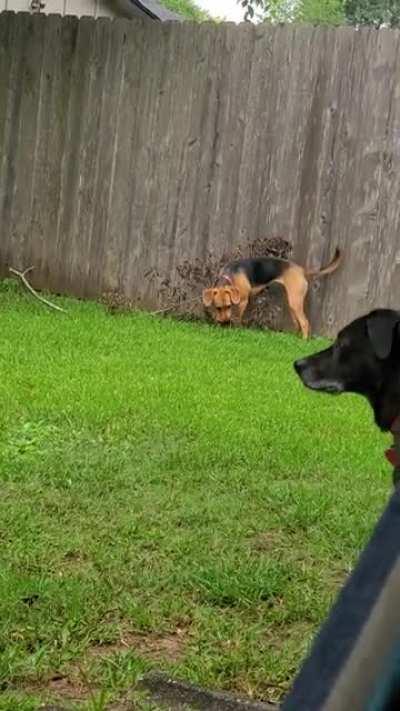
(241, 280)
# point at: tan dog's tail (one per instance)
(331, 267)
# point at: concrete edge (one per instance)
(180, 694)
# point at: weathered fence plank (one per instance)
(129, 146)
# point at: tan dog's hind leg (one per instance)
(294, 319)
(296, 287)
(298, 310)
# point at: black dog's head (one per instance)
(364, 359)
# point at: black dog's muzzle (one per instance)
(312, 378)
(305, 371)
(300, 365)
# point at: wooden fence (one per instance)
(129, 146)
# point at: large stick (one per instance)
(175, 305)
(26, 283)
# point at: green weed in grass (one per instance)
(171, 497)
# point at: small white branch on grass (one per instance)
(21, 275)
(175, 305)
(162, 311)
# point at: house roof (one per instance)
(150, 8)
(157, 10)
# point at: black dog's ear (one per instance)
(381, 329)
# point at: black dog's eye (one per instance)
(342, 343)
(340, 349)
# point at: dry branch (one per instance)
(21, 275)
(173, 306)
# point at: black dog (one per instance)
(364, 359)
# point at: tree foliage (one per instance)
(373, 12)
(320, 12)
(273, 10)
(188, 9)
(330, 12)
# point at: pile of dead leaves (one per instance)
(180, 294)
(183, 291)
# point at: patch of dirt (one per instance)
(67, 688)
(73, 686)
(72, 563)
(74, 559)
(151, 646)
(338, 576)
(299, 630)
(64, 687)
(267, 541)
(64, 690)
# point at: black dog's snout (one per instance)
(299, 365)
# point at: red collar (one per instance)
(391, 454)
(227, 278)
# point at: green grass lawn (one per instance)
(171, 497)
